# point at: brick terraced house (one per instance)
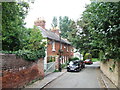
(53, 46)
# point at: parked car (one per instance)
(88, 61)
(76, 65)
(82, 64)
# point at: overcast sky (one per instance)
(50, 8)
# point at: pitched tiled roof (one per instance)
(52, 35)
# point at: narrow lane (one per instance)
(87, 78)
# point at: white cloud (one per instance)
(49, 8)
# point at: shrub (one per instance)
(30, 55)
(88, 56)
(32, 46)
(50, 60)
(73, 58)
(63, 65)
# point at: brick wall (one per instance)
(114, 75)
(17, 72)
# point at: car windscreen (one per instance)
(87, 60)
(73, 63)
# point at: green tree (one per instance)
(70, 31)
(64, 25)
(32, 45)
(100, 22)
(54, 22)
(32, 39)
(26, 43)
(13, 15)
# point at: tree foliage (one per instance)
(33, 46)
(17, 39)
(54, 22)
(13, 15)
(69, 30)
(32, 39)
(65, 26)
(100, 24)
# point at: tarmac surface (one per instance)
(90, 77)
(86, 78)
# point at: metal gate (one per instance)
(50, 67)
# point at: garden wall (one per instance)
(112, 70)
(17, 72)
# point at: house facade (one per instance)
(55, 46)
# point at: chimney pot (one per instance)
(40, 22)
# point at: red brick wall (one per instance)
(66, 54)
(17, 72)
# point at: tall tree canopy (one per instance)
(100, 24)
(64, 24)
(13, 15)
(54, 22)
(71, 31)
(17, 39)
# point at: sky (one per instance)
(47, 9)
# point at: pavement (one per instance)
(103, 81)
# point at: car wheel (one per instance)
(84, 66)
(79, 69)
(68, 70)
(81, 66)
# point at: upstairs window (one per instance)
(53, 46)
(67, 48)
(61, 46)
(71, 50)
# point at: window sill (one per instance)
(53, 50)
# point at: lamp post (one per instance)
(59, 64)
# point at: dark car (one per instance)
(82, 64)
(74, 66)
(88, 61)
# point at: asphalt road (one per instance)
(87, 78)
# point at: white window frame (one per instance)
(53, 46)
(71, 49)
(61, 46)
(64, 46)
(63, 59)
(67, 48)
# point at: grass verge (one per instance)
(95, 59)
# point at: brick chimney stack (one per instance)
(40, 22)
(55, 30)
